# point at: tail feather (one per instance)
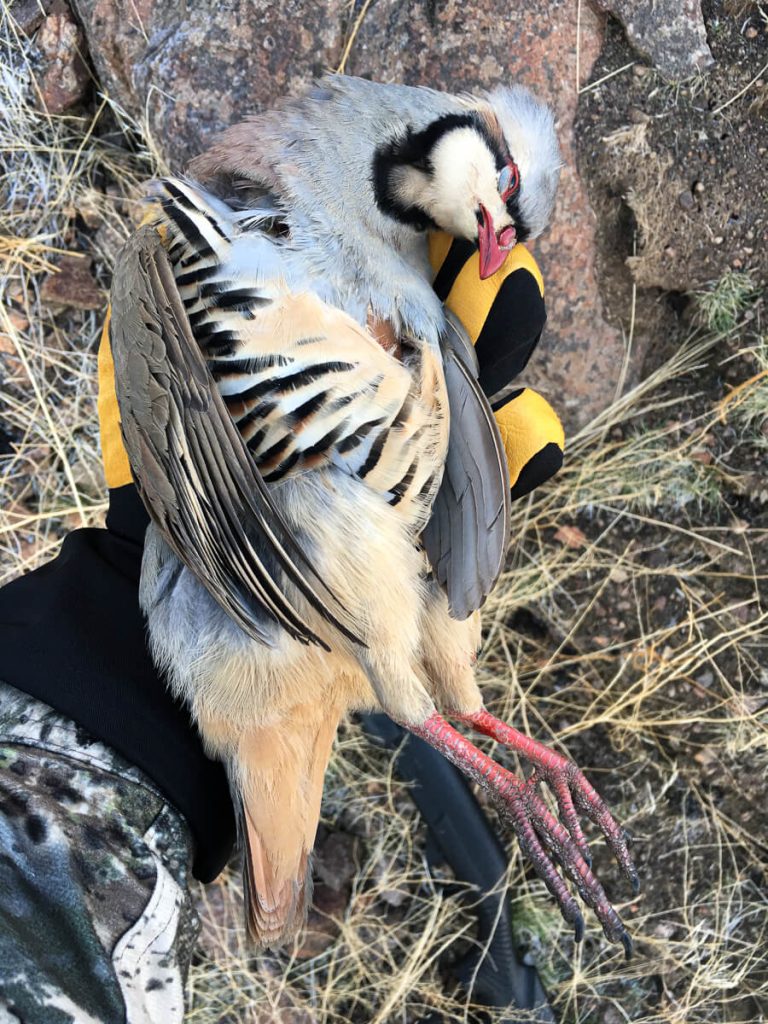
(277, 779)
(275, 908)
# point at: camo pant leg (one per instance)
(97, 923)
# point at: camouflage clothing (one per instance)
(96, 921)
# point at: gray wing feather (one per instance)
(467, 534)
(191, 466)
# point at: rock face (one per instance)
(670, 33)
(194, 68)
(28, 15)
(197, 70)
(678, 175)
(65, 80)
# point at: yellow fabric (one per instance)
(527, 424)
(439, 243)
(117, 469)
(470, 298)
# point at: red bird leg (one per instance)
(534, 825)
(569, 786)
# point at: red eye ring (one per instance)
(509, 180)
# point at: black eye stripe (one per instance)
(515, 212)
(415, 148)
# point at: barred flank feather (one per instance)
(305, 384)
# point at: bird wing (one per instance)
(307, 386)
(467, 534)
(191, 465)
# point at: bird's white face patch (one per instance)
(463, 177)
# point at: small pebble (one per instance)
(717, 240)
(699, 186)
(640, 70)
(737, 264)
(686, 200)
(18, 321)
(751, 32)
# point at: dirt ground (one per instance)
(676, 173)
(630, 629)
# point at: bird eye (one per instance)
(509, 180)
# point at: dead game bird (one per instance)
(328, 491)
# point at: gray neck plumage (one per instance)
(316, 155)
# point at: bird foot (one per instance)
(569, 785)
(545, 840)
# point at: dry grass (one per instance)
(636, 641)
(53, 175)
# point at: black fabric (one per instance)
(541, 467)
(126, 516)
(73, 636)
(501, 403)
(511, 331)
(458, 254)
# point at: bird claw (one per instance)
(544, 839)
(571, 789)
(556, 845)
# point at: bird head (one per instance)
(487, 174)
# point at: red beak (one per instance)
(493, 249)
